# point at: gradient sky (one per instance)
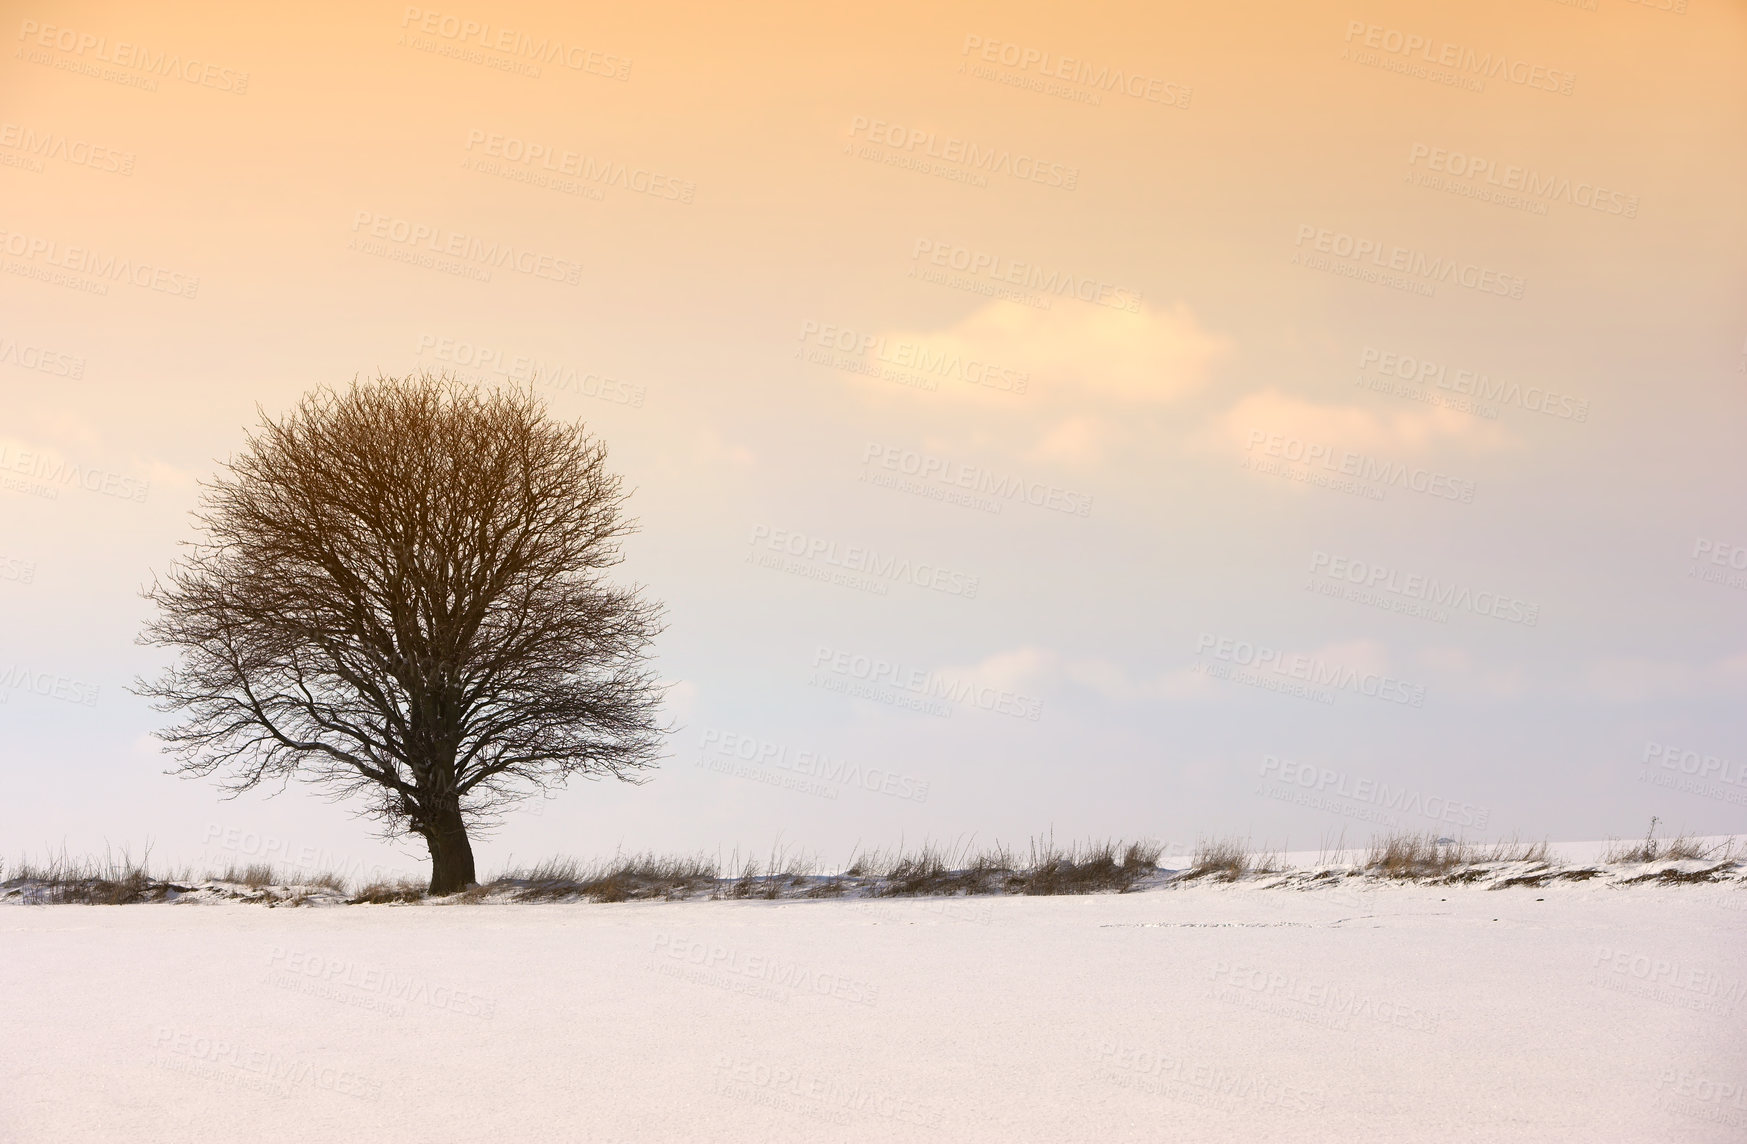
(852, 291)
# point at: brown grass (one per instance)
(388, 893)
(115, 880)
(1681, 847)
(1420, 857)
(622, 878)
(934, 870)
(118, 880)
(1516, 851)
(1100, 867)
(258, 874)
(1223, 860)
(1415, 856)
(1672, 877)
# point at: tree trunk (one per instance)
(451, 853)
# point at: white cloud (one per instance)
(1395, 433)
(1072, 352)
(1008, 670)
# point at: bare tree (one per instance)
(399, 593)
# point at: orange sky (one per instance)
(1123, 257)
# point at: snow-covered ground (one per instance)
(1575, 1012)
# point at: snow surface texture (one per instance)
(1576, 1011)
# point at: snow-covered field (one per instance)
(1576, 1012)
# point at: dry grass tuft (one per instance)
(1223, 860)
(781, 871)
(1514, 851)
(1416, 856)
(933, 870)
(1099, 867)
(1421, 857)
(115, 880)
(259, 874)
(254, 876)
(1143, 854)
(1682, 847)
(1268, 862)
(388, 893)
(623, 878)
